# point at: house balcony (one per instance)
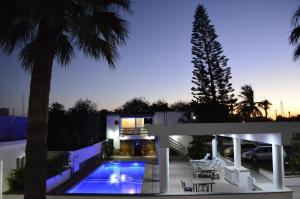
(133, 131)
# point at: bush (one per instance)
(199, 147)
(108, 148)
(55, 166)
(16, 180)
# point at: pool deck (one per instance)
(179, 169)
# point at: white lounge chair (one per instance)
(204, 160)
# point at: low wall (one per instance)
(292, 181)
(289, 181)
(79, 156)
(246, 195)
(58, 180)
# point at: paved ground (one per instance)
(181, 170)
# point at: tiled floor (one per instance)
(181, 170)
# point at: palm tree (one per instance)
(295, 34)
(247, 107)
(45, 31)
(265, 105)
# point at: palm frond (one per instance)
(297, 53)
(295, 36)
(296, 16)
(64, 50)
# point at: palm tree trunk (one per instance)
(36, 147)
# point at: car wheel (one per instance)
(254, 159)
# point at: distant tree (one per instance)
(199, 146)
(247, 107)
(209, 112)
(46, 31)
(159, 106)
(83, 125)
(102, 119)
(56, 124)
(211, 74)
(265, 105)
(180, 106)
(136, 105)
(295, 34)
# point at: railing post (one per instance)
(1, 178)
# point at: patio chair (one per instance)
(185, 188)
(205, 159)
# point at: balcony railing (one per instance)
(134, 131)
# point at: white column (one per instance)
(278, 168)
(214, 149)
(237, 152)
(164, 169)
(1, 178)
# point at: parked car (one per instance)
(259, 153)
(244, 148)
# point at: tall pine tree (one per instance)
(211, 74)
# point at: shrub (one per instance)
(108, 148)
(55, 166)
(16, 180)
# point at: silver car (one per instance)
(259, 153)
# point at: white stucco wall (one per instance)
(112, 130)
(9, 151)
(167, 117)
(81, 155)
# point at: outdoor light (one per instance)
(194, 117)
(123, 177)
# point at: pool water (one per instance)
(113, 178)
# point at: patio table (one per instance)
(203, 182)
(202, 169)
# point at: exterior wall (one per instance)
(167, 117)
(13, 128)
(81, 155)
(57, 180)
(9, 151)
(113, 130)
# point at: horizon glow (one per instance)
(156, 61)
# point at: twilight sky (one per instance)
(156, 62)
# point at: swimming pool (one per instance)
(113, 178)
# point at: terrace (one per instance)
(270, 133)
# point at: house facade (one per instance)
(130, 132)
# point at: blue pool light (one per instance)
(120, 178)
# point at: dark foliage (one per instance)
(16, 180)
(80, 126)
(288, 119)
(210, 112)
(211, 75)
(180, 106)
(295, 34)
(55, 166)
(199, 147)
(159, 106)
(135, 106)
(108, 148)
